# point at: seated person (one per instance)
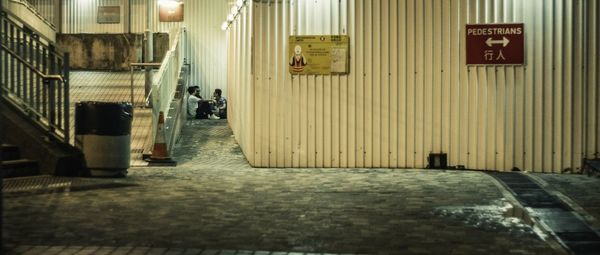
(197, 107)
(220, 104)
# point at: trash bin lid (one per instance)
(103, 118)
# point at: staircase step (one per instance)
(19, 168)
(9, 152)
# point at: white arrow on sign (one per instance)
(491, 42)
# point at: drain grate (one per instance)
(529, 193)
(568, 227)
(591, 167)
(46, 184)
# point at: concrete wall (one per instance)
(109, 51)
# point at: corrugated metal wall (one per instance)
(44, 8)
(81, 17)
(207, 46)
(139, 14)
(240, 108)
(409, 91)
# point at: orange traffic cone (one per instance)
(160, 154)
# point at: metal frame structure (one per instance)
(35, 78)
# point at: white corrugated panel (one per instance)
(139, 14)
(207, 49)
(44, 8)
(410, 92)
(81, 17)
(138, 17)
(239, 81)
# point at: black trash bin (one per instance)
(103, 133)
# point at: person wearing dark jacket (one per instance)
(220, 104)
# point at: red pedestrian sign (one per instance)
(495, 44)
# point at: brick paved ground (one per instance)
(214, 202)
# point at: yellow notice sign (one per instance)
(319, 54)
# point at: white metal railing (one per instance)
(132, 66)
(165, 81)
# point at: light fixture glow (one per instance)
(234, 12)
(169, 3)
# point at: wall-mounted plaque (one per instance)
(319, 54)
(109, 14)
(170, 12)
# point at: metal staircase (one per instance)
(34, 102)
(14, 165)
(34, 78)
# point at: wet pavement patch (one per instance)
(500, 216)
(552, 213)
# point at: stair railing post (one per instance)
(131, 89)
(30, 84)
(49, 85)
(3, 72)
(66, 102)
(51, 88)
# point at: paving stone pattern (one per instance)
(214, 202)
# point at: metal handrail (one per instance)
(32, 68)
(31, 110)
(165, 82)
(50, 120)
(145, 64)
(131, 66)
(35, 36)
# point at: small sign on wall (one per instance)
(319, 54)
(170, 12)
(109, 14)
(495, 44)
